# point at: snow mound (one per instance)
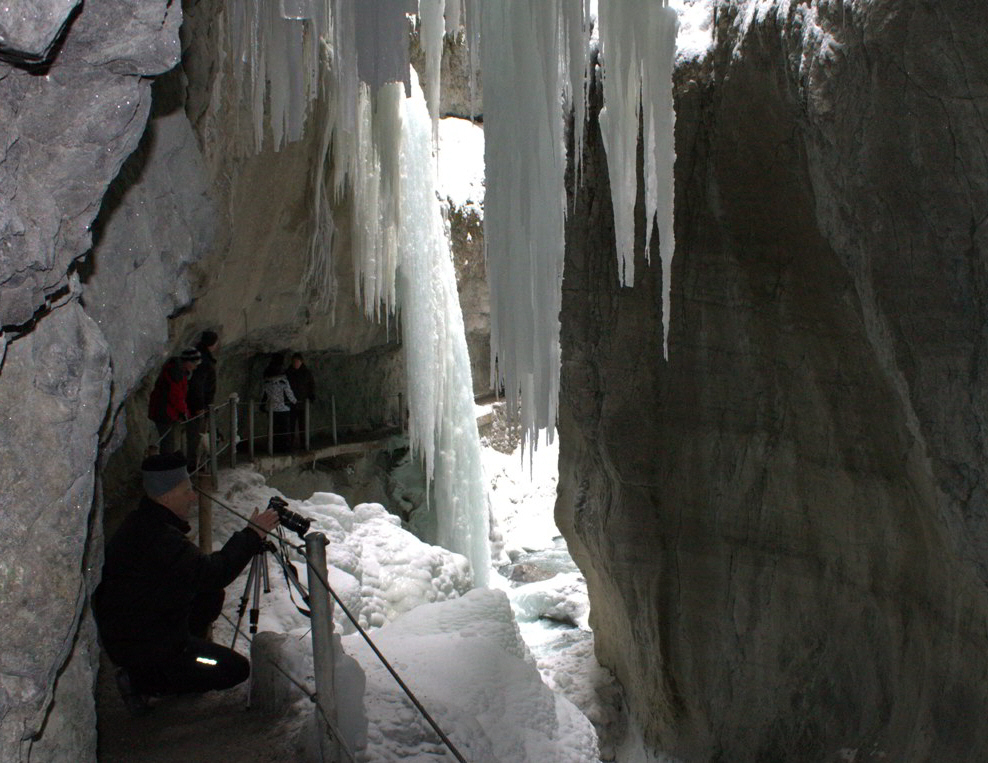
(465, 661)
(378, 569)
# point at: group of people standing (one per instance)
(186, 387)
(184, 390)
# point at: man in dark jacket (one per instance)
(167, 405)
(159, 593)
(304, 387)
(201, 393)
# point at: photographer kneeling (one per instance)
(160, 593)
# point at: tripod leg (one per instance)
(259, 564)
(267, 578)
(243, 601)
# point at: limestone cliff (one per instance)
(74, 100)
(783, 524)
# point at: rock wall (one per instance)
(782, 525)
(74, 100)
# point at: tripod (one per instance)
(258, 573)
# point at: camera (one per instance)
(289, 519)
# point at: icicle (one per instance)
(442, 426)
(638, 42)
(431, 32)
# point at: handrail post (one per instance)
(322, 644)
(205, 515)
(307, 428)
(335, 440)
(214, 466)
(270, 429)
(234, 425)
(250, 429)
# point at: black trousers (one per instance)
(166, 433)
(296, 422)
(201, 666)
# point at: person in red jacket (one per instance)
(167, 405)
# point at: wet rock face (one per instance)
(782, 524)
(73, 105)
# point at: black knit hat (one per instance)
(190, 355)
(163, 471)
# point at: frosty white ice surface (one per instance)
(379, 570)
(467, 663)
(638, 47)
(462, 655)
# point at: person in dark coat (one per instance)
(167, 405)
(160, 593)
(200, 395)
(304, 387)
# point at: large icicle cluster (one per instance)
(524, 57)
(638, 47)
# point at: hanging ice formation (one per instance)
(638, 46)
(381, 145)
(525, 58)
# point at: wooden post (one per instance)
(270, 429)
(214, 464)
(250, 429)
(307, 428)
(322, 643)
(205, 515)
(234, 401)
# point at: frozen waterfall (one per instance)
(442, 422)
(534, 57)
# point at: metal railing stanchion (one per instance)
(322, 643)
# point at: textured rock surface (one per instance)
(782, 526)
(466, 230)
(65, 130)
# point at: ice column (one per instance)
(442, 422)
(638, 46)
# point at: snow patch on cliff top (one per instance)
(461, 163)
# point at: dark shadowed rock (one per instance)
(782, 525)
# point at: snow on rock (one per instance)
(562, 598)
(461, 163)
(522, 496)
(465, 661)
(696, 28)
(378, 569)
